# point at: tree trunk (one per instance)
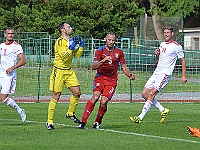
(157, 27)
(156, 21)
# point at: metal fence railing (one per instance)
(33, 78)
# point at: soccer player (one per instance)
(106, 62)
(62, 73)
(11, 57)
(168, 52)
(193, 131)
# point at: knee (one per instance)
(77, 94)
(56, 95)
(144, 95)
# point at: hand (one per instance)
(131, 77)
(78, 40)
(183, 80)
(81, 42)
(157, 52)
(72, 44)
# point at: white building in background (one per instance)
(191, 38)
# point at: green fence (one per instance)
(33, 78)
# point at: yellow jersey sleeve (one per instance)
(79, 52)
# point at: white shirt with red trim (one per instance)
(169, 53)
(9, 57)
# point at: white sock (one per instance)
(10, 102)
(145, 109)
(157, 105)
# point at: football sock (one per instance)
(157, 105)
(10, 102)
(72, 105)
(101, 112)
(51, 110)
(89, 107)
(145, 109)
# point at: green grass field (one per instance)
(117, 131)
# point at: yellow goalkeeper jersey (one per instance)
(63, 55)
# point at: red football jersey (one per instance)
(109, 68)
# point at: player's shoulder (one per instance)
(176, 43)
(101, 48)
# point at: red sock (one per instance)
(87, 111)
(101, 112)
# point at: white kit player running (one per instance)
(168, 53)
(10, 52)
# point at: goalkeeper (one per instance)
(62, 73)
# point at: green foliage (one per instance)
(89, 17)
(176, 7)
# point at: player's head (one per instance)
(110, 40)
(9, 34)
(168, 33)
(65, 28)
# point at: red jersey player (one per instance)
(106, 61)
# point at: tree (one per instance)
(168, 8)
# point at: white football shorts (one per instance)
(157, 81)
(7, 85)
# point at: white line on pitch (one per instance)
(121, 132)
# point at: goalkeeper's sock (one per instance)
(72, 105)
(157, 105)
(89, 107)
(101, 112)
(10, 102)
(51, 110)
(145, 109)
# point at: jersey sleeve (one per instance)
(180, 51)
(18, 49)
(97, 54)
(122, 59)
(79, 52)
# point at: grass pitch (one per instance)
(117, 131)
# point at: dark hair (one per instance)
(169, 28)
(111, 33)
(61, 25)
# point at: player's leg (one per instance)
(8, 87)
(56, 87)
(73, 103)
(89, 107)
(73, 84)
(160, 83)
(97, 88)
(108, 92)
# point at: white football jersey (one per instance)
(8, 57)
(169, 53)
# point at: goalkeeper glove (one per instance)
(81, 42)
(78, 40)
(72, 44)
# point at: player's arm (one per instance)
(64, 52)
(96, 64)
(79, 52)
(183, 78)
(127, 72)
(21, 62)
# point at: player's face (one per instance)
(110, 41)
(168, 34)
(9, 34)
(67, 29)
